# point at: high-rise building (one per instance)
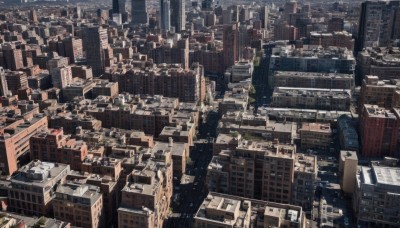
(383, 139)
(118, 6)
(335, 24)
(264, 16)
(378, 24)
(16, 80)
(147, 194)
(348, 162)
(3, 83)
(207, 4)
(139, 12)
(178, 15)
(61, 76)
(95, 42)
(230, 44)
(165, 15)
(72, 48)
(33, 15)
(12, 57)
(264, 170)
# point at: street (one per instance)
(192, 194)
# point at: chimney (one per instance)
(170, 142)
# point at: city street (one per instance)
(193, 193)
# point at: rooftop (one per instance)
(316, 127)
(40, 174)
(80, 193)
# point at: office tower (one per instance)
(12, 57)
(207, 4)
(165, 15)
(230, 45)
(336, 24)
(118, 6)
(290, 8)
(95, 43)
(378, 23)
(33, 15)
(139, 12)
(3, 83)
(178, 15)
(264, 16)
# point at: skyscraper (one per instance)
(378, 23)
(178, 16)
(165, 15)
(264, 16)
(119, 6)
(139, 12)
(95, 43)
(207, 4)
(230, 44)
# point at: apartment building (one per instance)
(378, 61)
(376, 196)
(69, 122)
(348, 166)
(61, 77)
(12, 57)
(79, 204)
(383, 140)
(108, 187)
(264, 170)
(14, 141)
(16, 80)
(287, 58)
(284, 131)
(43, 145)
(337, 38)
(78, 88)
(168, 80)
(313, 80)
(146, 195)
(32, 190)
(311, 98)
(150, 114)
(105, 88)
(378, 92)
(316, 136)
(241, 70)
(220, 210)
(305, 177)
(179, 152)
(103, 166)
